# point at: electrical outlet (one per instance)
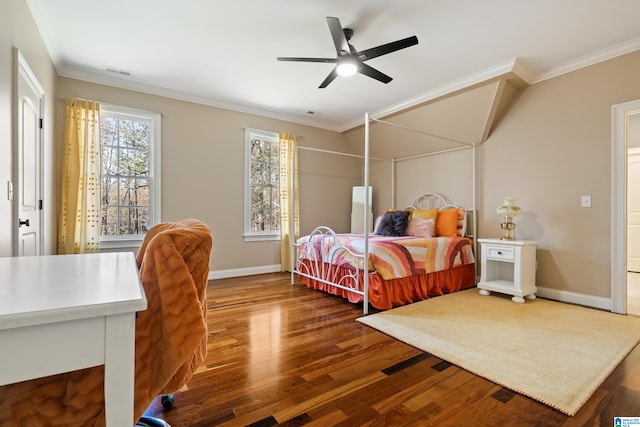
(585, 201)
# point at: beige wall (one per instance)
(203, 170)
(551, 146)
(18, 30)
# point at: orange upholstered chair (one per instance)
(171, 337)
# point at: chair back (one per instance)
(171, 335)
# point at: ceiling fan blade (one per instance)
(337, 33)
(287, 58)
(331, 77)
(387, 48)
(373, 73)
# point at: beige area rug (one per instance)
(555, 353)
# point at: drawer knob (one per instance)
(499, 252)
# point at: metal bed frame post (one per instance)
(365, 270)
(474, 190)
(393, 183)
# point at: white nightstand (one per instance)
(508, 267)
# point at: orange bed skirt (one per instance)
(386, 294)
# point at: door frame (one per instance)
(619, 118)
(21, 68)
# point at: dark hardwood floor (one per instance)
(287, 355)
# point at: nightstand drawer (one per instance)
(502, 253)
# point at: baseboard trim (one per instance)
(575, 298)
(239, 272)
(549, 293)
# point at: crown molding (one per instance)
(591, 59)
(122, 83)
(37, 14)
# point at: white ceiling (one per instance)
(223, 53)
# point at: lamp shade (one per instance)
(508, 208)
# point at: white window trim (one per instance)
(248, 235)
(155, 149)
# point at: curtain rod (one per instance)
(64, 98)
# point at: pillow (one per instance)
(419, 227)
(377, 224)
(462, 223)
(425, 214)
(393, 223)
(447, 223)
(379, 218)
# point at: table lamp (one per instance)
(507, 211)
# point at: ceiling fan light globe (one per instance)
(347, 69)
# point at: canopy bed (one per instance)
(421, 251)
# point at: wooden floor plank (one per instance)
(282, 354)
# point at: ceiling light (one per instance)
(347, 67)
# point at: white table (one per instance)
(61, 313)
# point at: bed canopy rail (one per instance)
(417, 131)
(463, 146)
(367, 124)
(366, 221)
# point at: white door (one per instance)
(27, 183)
(633, 210)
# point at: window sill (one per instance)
(260, 237)
(121, 244)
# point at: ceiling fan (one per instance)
(348, 60)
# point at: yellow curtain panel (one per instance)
(79, 216)
(288, 149)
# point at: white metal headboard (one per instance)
(429, 201)
(436, 200)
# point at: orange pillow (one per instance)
(425, 214)
(447, 223)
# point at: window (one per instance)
(130, 186)
(262, 189)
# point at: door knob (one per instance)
(21, 222)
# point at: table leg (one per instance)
(119, 369)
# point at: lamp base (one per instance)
(508, 227)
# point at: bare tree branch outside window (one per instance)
(265, 189)
(125, 186)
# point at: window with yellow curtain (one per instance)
(110, 191)
(269, 176)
